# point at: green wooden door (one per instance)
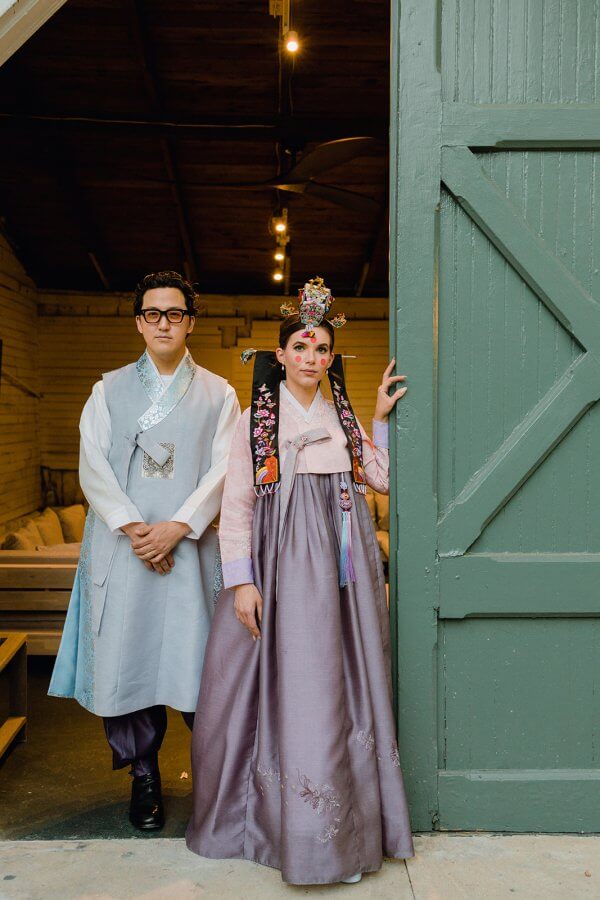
(495, 265)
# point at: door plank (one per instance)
(414, 238)
(519, 125)
(519, 456)
(528, 254)
(486, 799)
(520, 584)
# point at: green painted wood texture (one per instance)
(495, 286)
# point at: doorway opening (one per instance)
(146, 136)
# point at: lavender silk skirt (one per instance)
(294, 749)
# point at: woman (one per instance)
(294, 751)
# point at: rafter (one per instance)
(379, 234)
(142, 43)
(63, 171)
(294, 131)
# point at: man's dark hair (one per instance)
(165, 279)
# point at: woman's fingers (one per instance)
(247, 617)
(387, 383)
(389, 368)
(259, 610)
(397, 394)
(249, 622)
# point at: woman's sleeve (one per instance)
(237, 511)
(376, 457)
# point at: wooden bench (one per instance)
(34, 596)
(13, 662)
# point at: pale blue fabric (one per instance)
(134, 639)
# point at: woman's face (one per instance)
(306, 359)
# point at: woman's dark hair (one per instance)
(165, 279)
(292, 324)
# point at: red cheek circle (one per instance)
(323, 362)
(297, 359)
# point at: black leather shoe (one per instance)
(146, 810)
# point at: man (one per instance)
(155, 439)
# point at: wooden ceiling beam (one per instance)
(296, 132)
(63, 171)
(145, 55)
(378, 235)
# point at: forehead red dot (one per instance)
(313, 340)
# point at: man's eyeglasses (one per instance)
(174, 316)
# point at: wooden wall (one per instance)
(82, 336)
(19, 411)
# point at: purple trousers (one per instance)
(135, 738)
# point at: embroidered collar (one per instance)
(164, 397)
(267, 390)
(307, 414)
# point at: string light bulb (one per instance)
(277, 275)
(279, 255)
(292, 44)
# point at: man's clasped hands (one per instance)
(154, 544)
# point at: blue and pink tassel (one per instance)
(347, 573)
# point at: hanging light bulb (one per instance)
(277, 275)
(292, 44)
(278, 224)
(279, 255)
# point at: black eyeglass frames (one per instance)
(174, 316)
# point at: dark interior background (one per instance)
(122, 122)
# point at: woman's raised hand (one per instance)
(386, 402)
(248, 608)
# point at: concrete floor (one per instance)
(64, 833)
(446, 867)
(60, 785)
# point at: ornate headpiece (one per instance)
(314, 302)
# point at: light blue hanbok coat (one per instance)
(133, 639)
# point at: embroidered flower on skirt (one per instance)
(270, 775)
(329, 832)
(366, 740)
(322, 798)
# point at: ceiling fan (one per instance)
(300, 178)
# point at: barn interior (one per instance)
(141, 136)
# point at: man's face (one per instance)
(164, 338)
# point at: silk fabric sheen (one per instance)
(294, 748)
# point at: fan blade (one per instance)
(349, 199)
(333, 153)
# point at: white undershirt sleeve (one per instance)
(97, 478)
(204, 503)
